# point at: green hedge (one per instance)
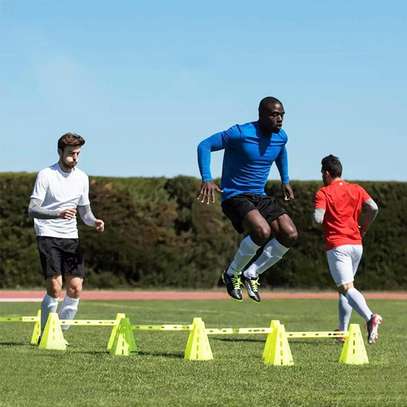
(158, 235)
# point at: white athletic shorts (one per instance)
(343, 262)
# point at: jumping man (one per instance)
(250, 150)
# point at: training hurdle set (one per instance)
(276, 351)
(122, 342)
(52, 337)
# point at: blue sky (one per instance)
(145, 81)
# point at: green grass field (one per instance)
(86, 375)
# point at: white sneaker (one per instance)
(373, 328)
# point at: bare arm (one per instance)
(369, 213)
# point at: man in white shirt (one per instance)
(61, 191)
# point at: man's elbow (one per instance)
(371, 206)
(318, 217)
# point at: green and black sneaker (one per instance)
(233, 285)
(252, 286)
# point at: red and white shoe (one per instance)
(373, 328)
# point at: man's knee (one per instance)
(288, 235)
(54, 292)
(261, 234)
(74, 289)
(344, 288)
(54, 287)
(289, 229)
(292, 235)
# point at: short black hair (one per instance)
(266, 101)
(333, 165)
(70, 139)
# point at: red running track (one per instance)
(106, 295)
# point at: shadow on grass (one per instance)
(14, 344)
(293, 341)
(174, 355)
(101, 353)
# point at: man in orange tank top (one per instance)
(345, 210)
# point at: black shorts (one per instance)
(237, 207)
(60, 257)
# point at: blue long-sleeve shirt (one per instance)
(247, 159)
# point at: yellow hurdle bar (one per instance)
(317, 334)
(240, 331)
(166, 327)
(88, 322)
(19, 319)
(210, 331)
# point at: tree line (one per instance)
(158, 235)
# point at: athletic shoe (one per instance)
(233, 284)
(373, 328)
(252, 286)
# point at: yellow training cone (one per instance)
(119, 317)
(124, 342)
(52, 338)
(273, 325)
(37, 329)
(353, 350)
(277, 351)
(126, 326)
(198, 347)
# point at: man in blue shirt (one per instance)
(250, 150)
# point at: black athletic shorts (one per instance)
(60, 257)
(237, 207)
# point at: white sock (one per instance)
(272, 253)
(358, 303)
(345, 312)
(68, 310)
(49, 304)
(245, 253)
